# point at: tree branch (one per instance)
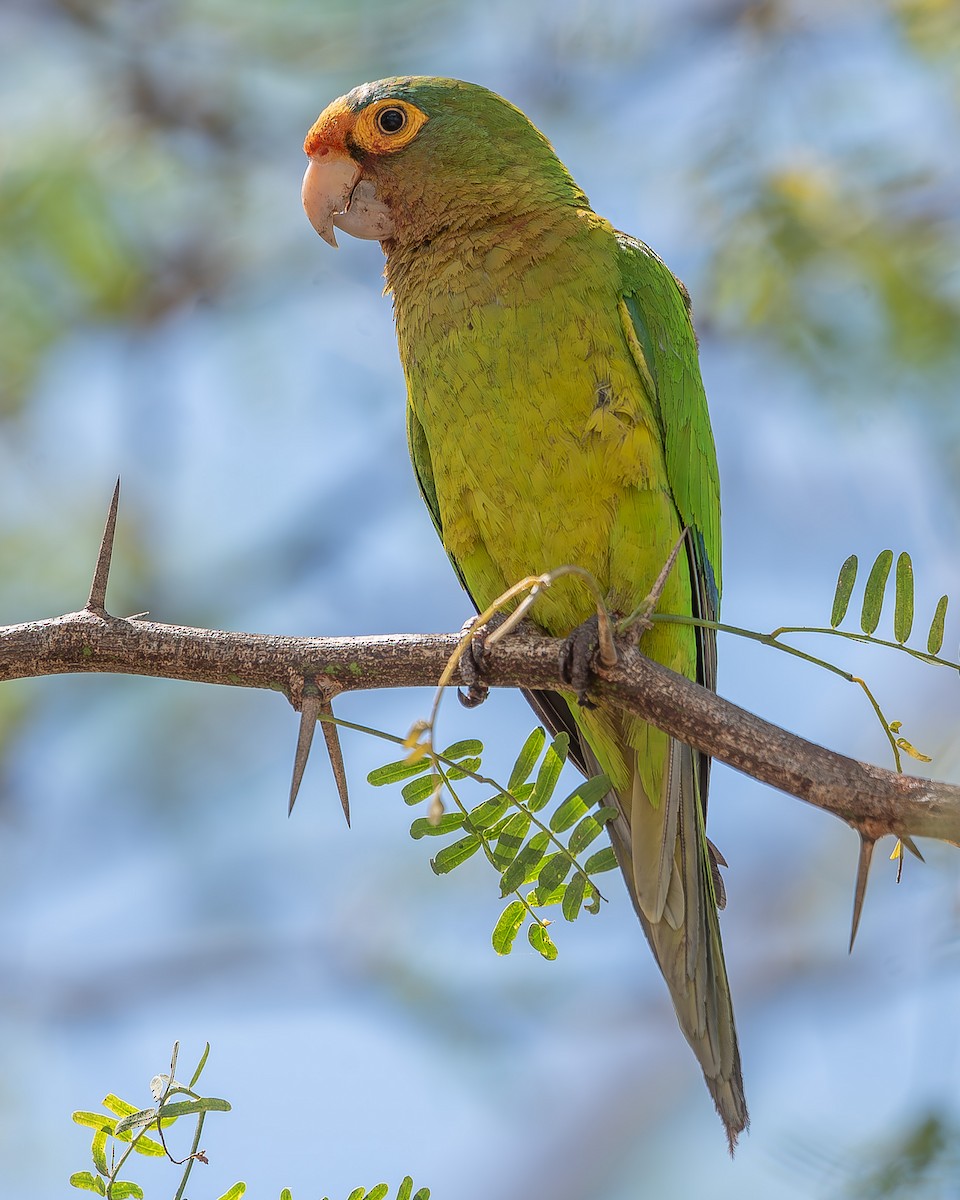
(872, 800)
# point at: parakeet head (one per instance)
(404, 159)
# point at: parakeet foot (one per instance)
(576, 659)
(471, 664)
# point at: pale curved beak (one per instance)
(333, 194)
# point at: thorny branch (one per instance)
(310, 672)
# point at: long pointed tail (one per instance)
(675, 900)
(672, 877)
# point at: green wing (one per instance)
(664, 346)
(659, 312)
(423, 469)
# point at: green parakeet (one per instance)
(555, 415)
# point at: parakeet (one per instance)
(555, 415)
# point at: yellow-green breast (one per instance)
(545, 447)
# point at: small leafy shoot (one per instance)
(535, 858)
(127, 1128)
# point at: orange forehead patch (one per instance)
(328, 133)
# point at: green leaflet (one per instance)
(578, 802)
(603, 860)
(464, 768)
(452, 856)
(195, 1078)
(183, 1108)
(99, 1151)
(541, 897)
(903, 603)
(554, 870)
(549, 773)
(526, 865)
(873, 592)
(508, 926)
(133, 1121)
(588, 829)
(541, 941)
(935, 636)
(394, 772)
(468, 748)
(845, 581)
(488, 812)
(425, 827)
(94, 1120)
(123, 1189)
(118, 1107)
(526, 759)
(573, 897)
(569, 812)
(88, 1182)
(419, 789)
(511, 839)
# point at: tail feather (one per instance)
(672, 874)
(689, 952)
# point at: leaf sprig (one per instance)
(128, 1125)
(871, 608)
(537, 857)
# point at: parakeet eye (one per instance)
(387, 126)
(391, 120)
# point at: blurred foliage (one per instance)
(133, 155)
(932, 27)
(922, 1163)
(830, 266)
(123, 196)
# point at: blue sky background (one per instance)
(243, 379)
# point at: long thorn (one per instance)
(332, 737)
(860, 890)
(96, 601)
(641, 615)
(309, 711)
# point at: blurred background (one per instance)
(167, 313)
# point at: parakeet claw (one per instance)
(576, 659)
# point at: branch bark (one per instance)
(872, 800)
